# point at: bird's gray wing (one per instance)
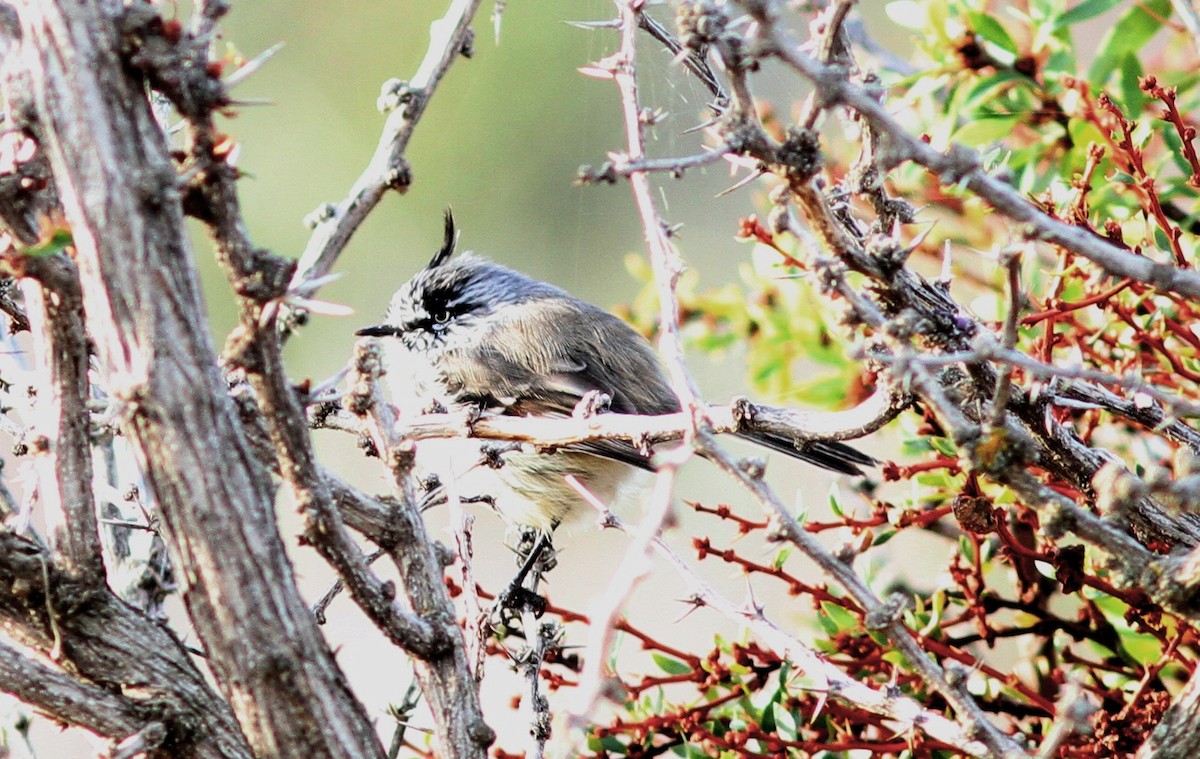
(515, 370)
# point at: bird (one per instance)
(465, 333)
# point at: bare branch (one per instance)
(742, 416)
(663, 256)
(62, 438)
(117, 186)
(67, 699)
(446, 679)
(450, 37)
(622, 166)
(109, 643)
(963, 165)
(695, 61)
(1008, 338)
(256, 348)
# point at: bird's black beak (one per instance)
(379, 330)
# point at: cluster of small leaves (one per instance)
(1105, 144)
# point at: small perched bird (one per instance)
(468, 333)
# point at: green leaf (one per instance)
(943, 446)
(1131, 32)
(835, 500)
(785, 722)
(916, 445)
(883, 537)
(59, 241)
(1082, 12)
(609, 743)
(989, 87)
(1132, 97)
(781, 558)
(1059, 63)
(1161, 240)
(670, 665)
(966, 548)
(991, 30)
(839, 617)
(985, 131)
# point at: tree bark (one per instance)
(119, 193)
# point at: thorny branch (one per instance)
(666, 269)
(255, 348)
(446, 679)
(962, 165)
(1059, 451)
(62, 437)
(646, 431)
(388, 169)
(116, 181)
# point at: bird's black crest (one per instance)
(447, 249)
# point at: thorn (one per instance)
(252, 66)
(694, 602)
(750, 178)
(309, 286)
(947, 272)
(596, 72)
(590, 25)
(702, 126)
(916, 241)
(318, 391)
(245, 102)
(753, 606)
(821, 700)
(497, 13)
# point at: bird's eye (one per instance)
(441, 316)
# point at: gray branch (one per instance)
(446, 679)
(62, 440)
(120, 195)
(404, 103)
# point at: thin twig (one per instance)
(446, 680)
(663, 257)
(322, 604)
(961, 165)
(696, 62)
(388, 168)
(540, 638)
(1008, 338)
(622, 166)
(634, 565)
